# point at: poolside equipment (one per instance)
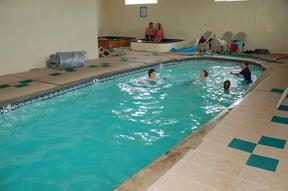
(103, 52)
(189, 49)
(67, 60)
(205, 39)
(261, 51)
(280, 58)
(284, 95)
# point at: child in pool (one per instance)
(226, 85)
(203, 76)
(152, 75)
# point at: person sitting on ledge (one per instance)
(159, 33)
(150, 32)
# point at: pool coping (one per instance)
(153, 171)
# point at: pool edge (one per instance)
(145, 178)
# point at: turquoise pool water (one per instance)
(96, 137)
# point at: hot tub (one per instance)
(113, 41)
(164, 46)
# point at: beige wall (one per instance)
(30, 30)
(264, 21)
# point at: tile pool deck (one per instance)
(245, 150)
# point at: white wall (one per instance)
(264, 21)
(31, 30)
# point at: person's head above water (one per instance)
(204, 73)
(152, 74)
(226, 85)
(243, 65)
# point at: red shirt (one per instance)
(159, 35)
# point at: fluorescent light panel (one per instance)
(140, 2)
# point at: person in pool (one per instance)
(245, 72)
(152, 75)
(203, 76)
(226, 85)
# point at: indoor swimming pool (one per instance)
(96, 137)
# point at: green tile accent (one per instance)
(262, 162)
(242, 145)
(277, 119)
(105, 64)
(272, 142)
(21, 85)
(124, 59)
(55, 74)
(93, 66)
(70, 70)
(2, 86)
(277, 90)
(25, 81)
(283, 107)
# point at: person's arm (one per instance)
(235, 73)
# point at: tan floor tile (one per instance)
(9, 79)
(204, 159)
(271, 152)
(218, 180)
(236, 156)
(211, 148)
(258, 176)
(241, 185)
(277, 131)
(218, 138)
(279, 182)
(234, 130)
(228, 167)
(179, 177)
(16, 93)
(256, 129)
(282, 167)
(196, 172)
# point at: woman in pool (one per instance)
(159, 33)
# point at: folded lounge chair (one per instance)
(103, 52)
(284, 95)
(240, 39)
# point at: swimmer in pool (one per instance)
(226, 85)
(151, 75)
(245, 72)
(203, 76)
